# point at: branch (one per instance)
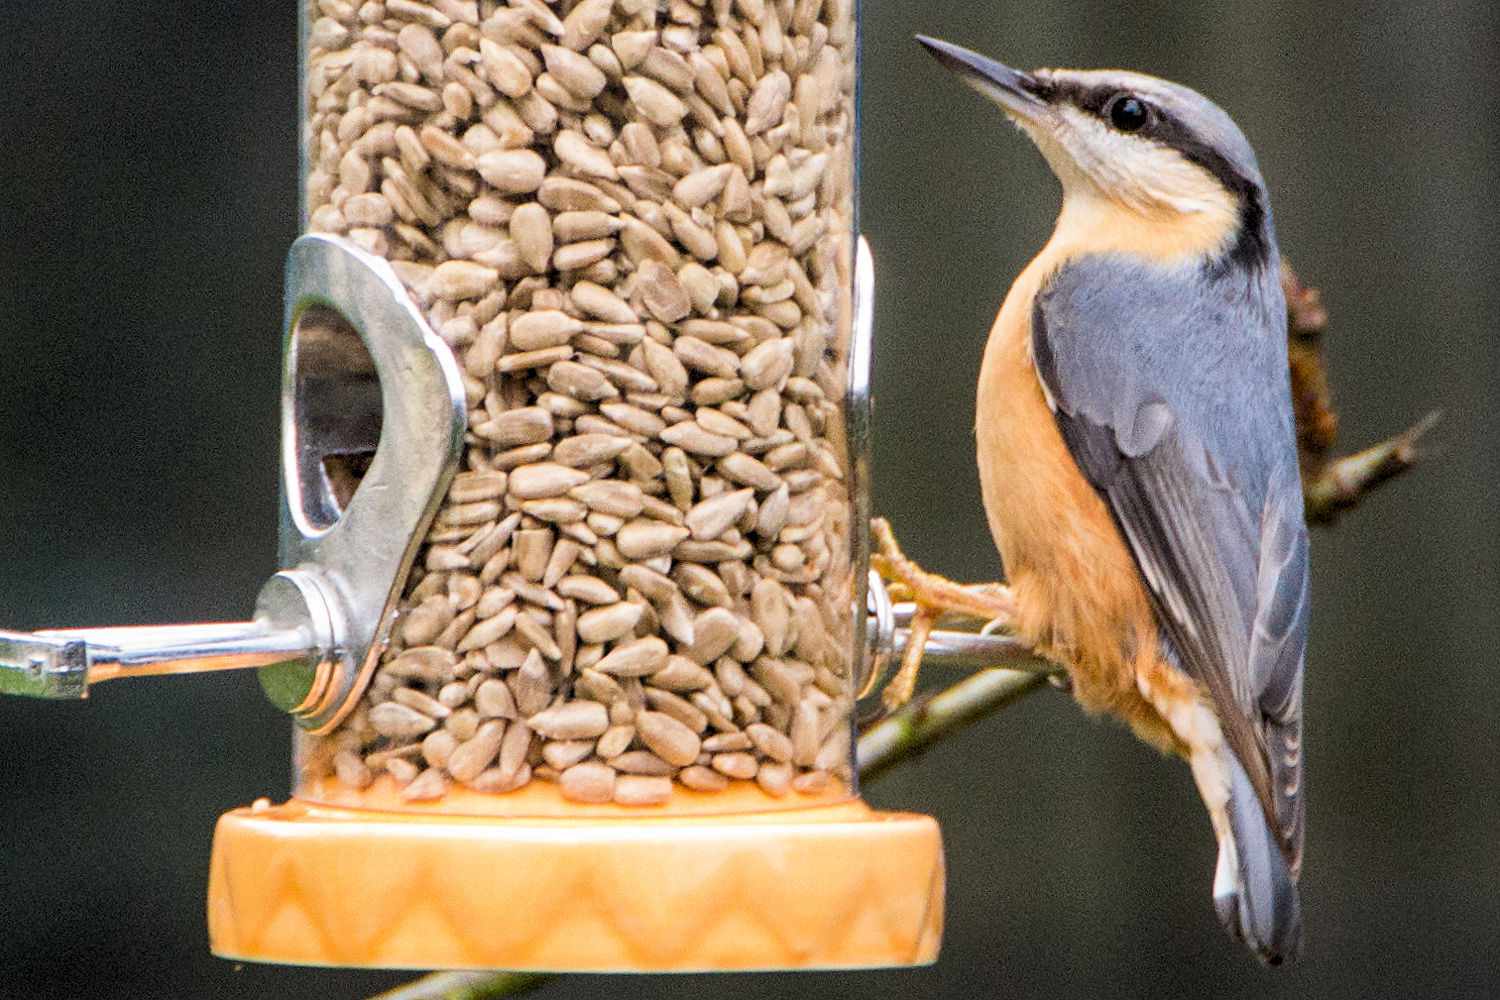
(906, 733)
(1331, 486)
(1343, 483)
(467, 986)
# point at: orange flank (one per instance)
(1078, 595)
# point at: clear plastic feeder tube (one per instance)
(634, 224)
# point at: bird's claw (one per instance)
(934, 597)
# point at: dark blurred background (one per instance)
(148, 193)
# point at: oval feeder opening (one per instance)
(337, 412)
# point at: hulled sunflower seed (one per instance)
(656, 103)
(605, 624)
(737, 764)
(615, 741)
(668, 738)
(574, 720)
(474, 755)
(648, 539)
(702, 779)
(590, 782)
(396, 721)
(636, 658)
(512, 171)
(712, 517)
(631, 225)
(641, 762)
(642, 790)
(544, 479)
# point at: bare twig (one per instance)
(906, 733)
(1332, 485)
(1343, 483)
(467, 986)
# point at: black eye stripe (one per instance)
(1168, 131)
(1090, 99)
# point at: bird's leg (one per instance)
(988, 602)
(934, 597)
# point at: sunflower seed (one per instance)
(585, 450)
(735, 765)
(605, 624)
(574, 71)
(692, 438)
(774, 778)
(494, 700)
(642, 790)
(648, 539)
(636, 658)
(396, 721)
(629, 223)
(574, 720)
(662, 293)
(668, 738)
(702, 779)
(615, 741)
(476, 754)
(591, 782)
(681, 674)
(512, 171)
(351, 770)
(563, 754)
(427, 786)
(424, 663)
(641, 762)
(712, 517)
(656, 103)
(580, 382)
(544, 479)
(422, 702)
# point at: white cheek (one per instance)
(1135, 170)
(1058, 152)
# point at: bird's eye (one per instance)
(1128, 113)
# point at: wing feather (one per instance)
(1179, 416)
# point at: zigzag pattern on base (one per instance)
(828, 887)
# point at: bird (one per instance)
(1138, 460)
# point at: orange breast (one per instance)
(1079, 596)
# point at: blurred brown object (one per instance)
(1332, 485)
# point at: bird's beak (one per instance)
(1015, 91)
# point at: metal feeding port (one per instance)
(374, 421)
(366, 461)
(372, 424)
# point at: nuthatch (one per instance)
(1138, 460)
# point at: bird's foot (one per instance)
(934, 597)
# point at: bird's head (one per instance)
(1145, 147)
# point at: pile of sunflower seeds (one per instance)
(632, 221)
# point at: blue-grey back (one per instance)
(1171, 389)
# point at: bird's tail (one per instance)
(1254, 891)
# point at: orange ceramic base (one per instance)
(830, 886)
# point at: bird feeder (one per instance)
(574, 607)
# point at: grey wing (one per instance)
(1278, 646)
(1171, 398)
